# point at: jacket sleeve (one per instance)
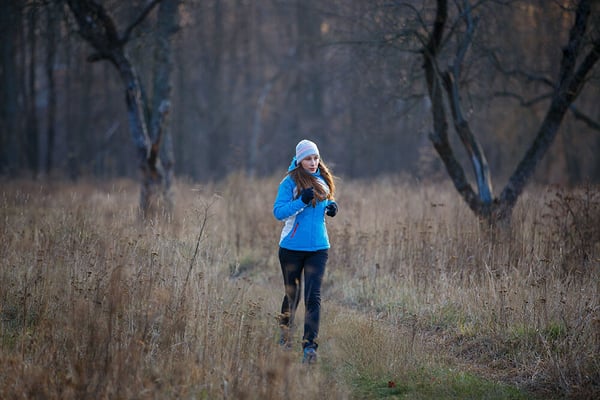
(285, 205)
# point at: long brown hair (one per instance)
(305, 179)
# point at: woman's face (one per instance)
(310, 163)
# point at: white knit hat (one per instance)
(304, 149)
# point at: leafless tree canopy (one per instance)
(251, 78)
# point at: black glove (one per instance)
(331, 209)
(307, 195)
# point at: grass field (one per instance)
(420, 301)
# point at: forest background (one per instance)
(421, 298)
(250, 79)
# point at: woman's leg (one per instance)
(314, 269)
(291, 268)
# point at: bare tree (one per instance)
(98, 28)
(253, 76)
(442, 85)
(51, 44)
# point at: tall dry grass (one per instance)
(96, 304)
(521, 304)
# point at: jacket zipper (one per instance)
(295, 229)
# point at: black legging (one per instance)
(313, 264)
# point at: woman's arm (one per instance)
(285, 205)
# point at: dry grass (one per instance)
(418, 296)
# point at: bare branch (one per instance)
(576, 85)
(138, 20)
(522, 101)
(470, 143)
(95, 26)
(571, 82)
(577, 81)
(463, 46)
(583, 117)
(576, 39)
(439, 135)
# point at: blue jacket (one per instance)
(304, 228)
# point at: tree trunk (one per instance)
(309, 76)
(151, 175)
(471, 145)
(32, 144)
(257, 129)
(51, 113)
(571, 81)
(218, 131)
(167, 26)
(439, 136)
(98, 28)
(74, 126)
(9, 107)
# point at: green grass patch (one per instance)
(434, 384)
